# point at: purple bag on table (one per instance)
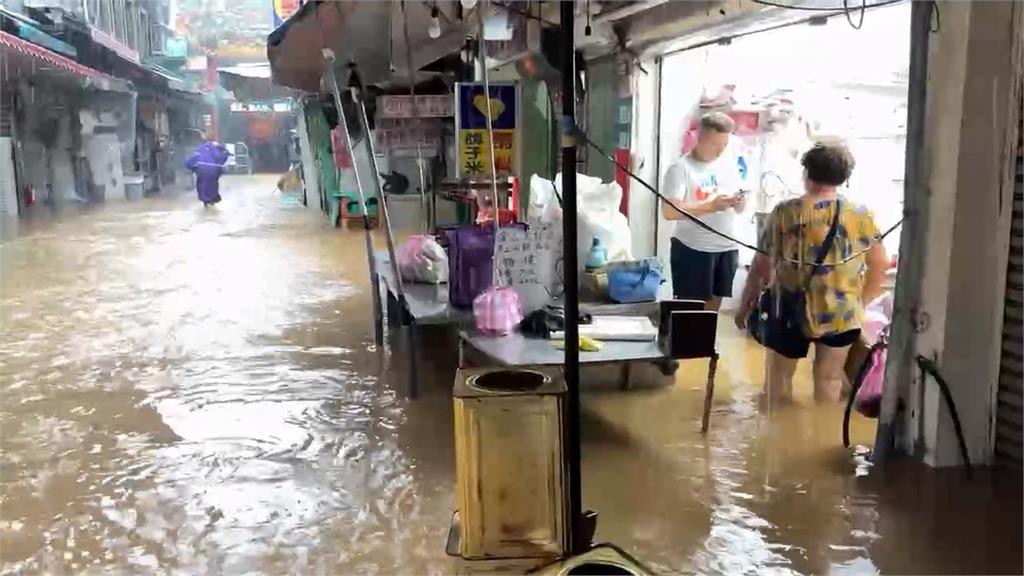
(470, 263)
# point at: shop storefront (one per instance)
(853, 86)
(57, 136)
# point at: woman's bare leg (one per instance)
(828, 372)
(778, 378)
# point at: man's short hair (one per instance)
(717, 121)
(829, 163)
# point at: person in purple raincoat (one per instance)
(207, 163)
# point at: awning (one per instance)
(173, 82)
(367, 33)
(51, 61)
(251, 82)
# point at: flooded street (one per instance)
(196, 391)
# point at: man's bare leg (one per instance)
(713, 304)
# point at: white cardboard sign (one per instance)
(530, 262)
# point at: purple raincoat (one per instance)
(207, 163)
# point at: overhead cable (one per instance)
(579, 134)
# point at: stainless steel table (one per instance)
(517, 350)
(427, 304)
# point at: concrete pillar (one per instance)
(643, 206)
(971, 113)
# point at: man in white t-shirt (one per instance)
(706, 185)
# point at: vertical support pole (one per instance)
(572, 305)
(425, 219)
(900, 364)
(378, 310)
(382, 202)
(709, 393)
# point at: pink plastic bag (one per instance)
(497, 311)
(421, 259)
(869, 395)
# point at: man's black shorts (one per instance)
(700, 275)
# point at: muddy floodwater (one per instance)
(192, 391)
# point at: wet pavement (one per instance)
(196, 391)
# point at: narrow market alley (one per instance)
(190, 390)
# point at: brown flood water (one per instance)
(196, 391)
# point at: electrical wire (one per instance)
(860, 21)
(929, 366)
(526, 14)
(937, 20)
(817, 8)
(700, 223)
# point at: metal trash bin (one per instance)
(508, 463)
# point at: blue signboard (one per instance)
(474, 144)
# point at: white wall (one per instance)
(643, 207)
(8, 187)
(310, 174)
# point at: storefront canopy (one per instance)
(249, 83)
(30, 59)
(367, 33)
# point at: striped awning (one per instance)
(12, 45)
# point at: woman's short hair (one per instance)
(829, 163)
(718, 121)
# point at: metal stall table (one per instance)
(425, 305)
(515, 349)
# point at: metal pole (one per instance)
(378, 311)
(490, 135)
(900, 368)
(389, 235)
(424, 218)
(572, 304)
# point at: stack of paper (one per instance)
(623, 328)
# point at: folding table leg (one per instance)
(378, 313)
(414, 382)
(624, 383)
(709, 393)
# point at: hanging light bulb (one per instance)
(468, 4)
(435, 23)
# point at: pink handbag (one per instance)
(869, 395)
(497, 311)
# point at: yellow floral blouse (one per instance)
(796, 229)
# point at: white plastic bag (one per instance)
(545, 207)
(421, 259)
(597, 206)
(877, 315)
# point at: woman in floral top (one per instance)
(835, 296)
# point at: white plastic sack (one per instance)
(597, 206)
(421, 259)
(877, 315)
(544, 207)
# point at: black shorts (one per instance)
(796, 347)
(700, 275)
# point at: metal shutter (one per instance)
(6, 109)
(1010, 406)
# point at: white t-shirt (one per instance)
(692, 180)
